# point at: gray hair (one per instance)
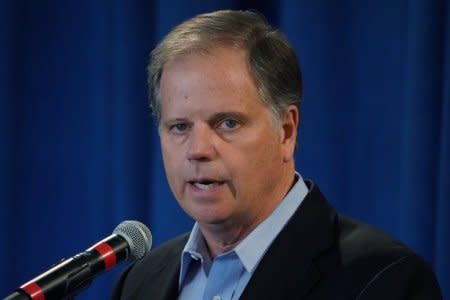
(272, 60)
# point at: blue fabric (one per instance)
(79, 151)
(223, 279)
(221, 283)
(196, 263)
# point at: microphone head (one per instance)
(138, 237)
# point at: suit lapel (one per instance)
(288, 267)
(156, 277)
(165, 286)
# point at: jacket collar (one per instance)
(289, 268)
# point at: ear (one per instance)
(289, 126)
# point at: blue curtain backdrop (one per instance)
(79, 152)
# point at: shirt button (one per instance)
(217, 297)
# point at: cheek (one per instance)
(166, 158)
(256, 162)
(264, 152)
(171, 165)
(169, 150)
(266, 161)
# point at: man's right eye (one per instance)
(180, 127)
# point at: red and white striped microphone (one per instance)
(130, 240)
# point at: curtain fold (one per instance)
(422, 124)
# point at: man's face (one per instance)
(225, 161)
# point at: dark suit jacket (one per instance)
(318, 255)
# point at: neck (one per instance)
(224, 237)
(219, 239)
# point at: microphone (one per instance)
(130, 240)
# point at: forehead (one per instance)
(225, 64)
(220, 77)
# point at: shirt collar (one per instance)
(194, 250)
(251, 249)
(255, 245)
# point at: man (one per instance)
(226, 91)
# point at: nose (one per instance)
(201, 144)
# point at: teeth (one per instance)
(207, 186)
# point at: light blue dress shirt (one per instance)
(225, 278)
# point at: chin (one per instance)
(213, 218)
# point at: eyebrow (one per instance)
(215, 118)
(168, 123)
(227, 115)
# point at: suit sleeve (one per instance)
(407, 278)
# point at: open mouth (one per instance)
(206, 185)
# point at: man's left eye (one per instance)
(229, 124)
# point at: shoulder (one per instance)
(160, 265)
(358, 240)
(375, 265)
(166, 254)
(356, 260)
(166, 251)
